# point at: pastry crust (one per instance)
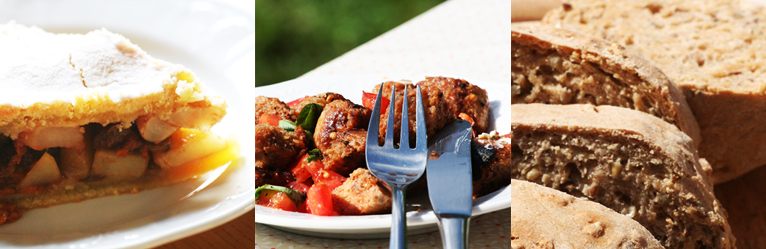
(70, 80)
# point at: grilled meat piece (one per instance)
(493, 155)
(436, 107)
(463, 97)
(320, 99)
(267, 176)
(266, 105)
(361, 193)
(340, 134)
(275, 148)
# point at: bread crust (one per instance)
(712, 49)
(627, 160)
(637, 83)
(547, 218)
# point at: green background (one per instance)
(293, 37)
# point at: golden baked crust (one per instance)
(73, 80)
(44, 94)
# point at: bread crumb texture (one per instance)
(714, 50)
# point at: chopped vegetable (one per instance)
(314, 155)
(309, 116)
(299, 170)
(269, 119)
(368, 100)
(287, 125)
(319, 200)
(296, 102)
(294, 195)
(277, 200)
(299, 186)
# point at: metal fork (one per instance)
(397, 166)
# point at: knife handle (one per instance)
(454, 232)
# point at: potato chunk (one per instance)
(45, 171)
(188, 145)
(49, 137)
(153, 129)
(108, 163)
(201, 118)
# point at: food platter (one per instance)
(377, 226)
(215, 41)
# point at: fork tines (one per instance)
(404, 138)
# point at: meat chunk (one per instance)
(361, 193)
(276, 148)
(266, 176)
(463, 97)
(341, 136)
(437, 112)
(266, 105)
(320, 99)
(492, 170)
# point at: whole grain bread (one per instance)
(557, 66)
(629, 161)
(546, 218)
(714, 50)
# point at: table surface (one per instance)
(462, 38)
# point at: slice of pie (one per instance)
(84, 116)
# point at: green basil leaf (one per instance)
(296, 196)
(287, 125)
(314, 155)
(308, 117)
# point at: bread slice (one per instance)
(88, 115)
(629, 161)
(557, 66)
(546, 218)
(714, 50)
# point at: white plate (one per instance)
(215, 41)
(376, 226)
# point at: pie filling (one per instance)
(54, 157)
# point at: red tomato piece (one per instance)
(300, 172)
(469, 119)
(368, 100)
(330, 178)
(269, 119)
(319, 200)
(303, 208)
(508, 135)
(295, 103)
(298, 186)
(277, 200)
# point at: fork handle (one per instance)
(454, 232)
(399, 222)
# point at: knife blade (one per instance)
(450, 187)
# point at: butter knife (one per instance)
(449, 182)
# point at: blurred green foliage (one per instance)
(296, 36)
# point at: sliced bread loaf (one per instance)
(547, 218)
(629, 161)
(714, 50)
(557, 66)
